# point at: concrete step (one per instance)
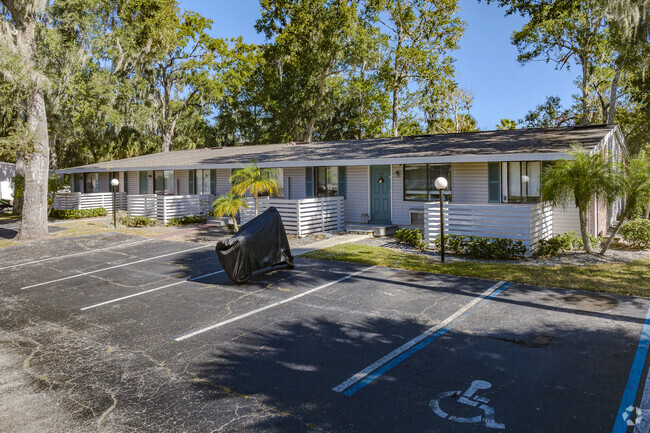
(371, 230)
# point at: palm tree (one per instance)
(229, 204)
(579, 180)
(634, 182)
(254, 180)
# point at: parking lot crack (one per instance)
(103, 416)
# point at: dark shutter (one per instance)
(192, 185)
(213, 182)
(125, 174)
(144, 183)
(309, 182)
(343, 189)
(494, 182)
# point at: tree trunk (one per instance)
(624, 217)
(583, 88)
(34, 220)
(234, 222)
(319, 97)
(168, 131)
(395, 111)
(611, 113)
(255, 198)
(584, 226)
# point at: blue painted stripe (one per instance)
(424, 343)
(629, 396)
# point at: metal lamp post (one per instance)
(441, 185)
(114, 183)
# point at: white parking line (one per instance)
(73, 255)
(275, 304)
(114, 267)
(112, 301)
(363, 374)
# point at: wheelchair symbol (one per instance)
(469, 399)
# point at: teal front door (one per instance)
(380, 194)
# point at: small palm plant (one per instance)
(579, 180)
(634, 181)
(254, 180)
(229, 204)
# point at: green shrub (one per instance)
(137, 221)
(637, 233)
(412, 237)
(134, 221)
(556, 245)
(71, 214)
(563, 243)
(494, 248)
(454, 244)
(190, 219)
(482, 248)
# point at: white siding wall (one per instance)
(150, 182)
(223, 181)
(401, 208)
(182, 182)
(357, 196)
(134, 183)
(470, 183)
(104, 182)
(565, 220)
(294, 183)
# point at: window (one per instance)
(279, 178)
(494, 183)
(125, 184)
(163, 182)
(419, 181)
(91, 182)
(78, 183)
(202, 181)
(520, 181)
(327, 181)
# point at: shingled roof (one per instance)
(409, 148)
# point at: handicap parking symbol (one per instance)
(469, 398)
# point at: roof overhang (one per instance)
(497, 157)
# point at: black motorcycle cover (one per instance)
(260, 245)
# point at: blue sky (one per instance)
(486, 62)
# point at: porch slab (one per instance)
(372, 229)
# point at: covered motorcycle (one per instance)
(260, 246)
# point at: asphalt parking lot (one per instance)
(133, 334)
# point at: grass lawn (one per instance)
(619, 278)
(91, 227)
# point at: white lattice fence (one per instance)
(145, 205)
(67, 201)
(176, 206)
(525, 223)
(302, 217)
(77, 200)
(205, 204)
